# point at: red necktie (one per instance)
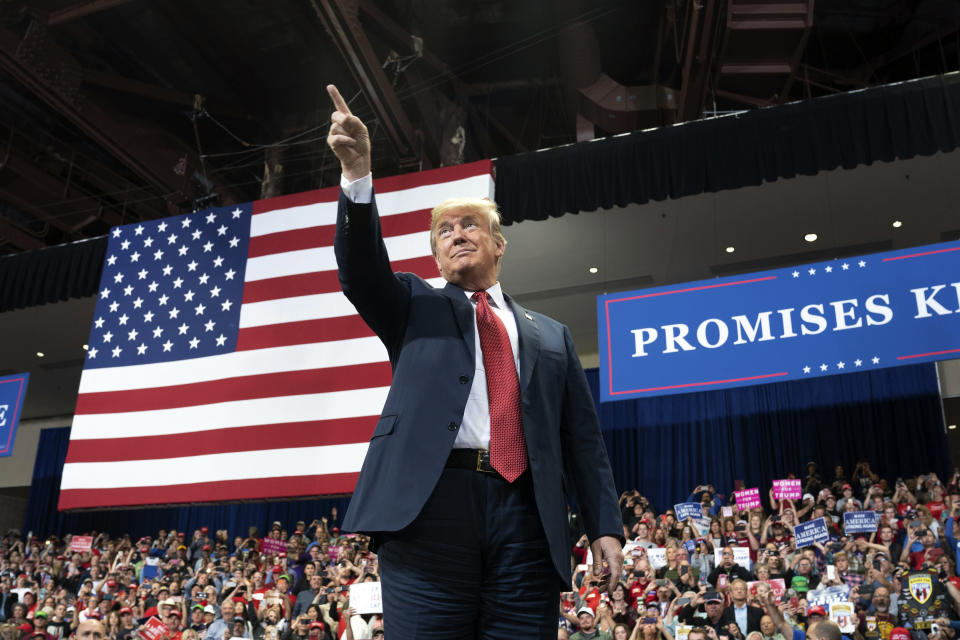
(508, 449)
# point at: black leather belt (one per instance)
(472, 459)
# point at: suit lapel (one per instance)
(529, 341)
(463, 311)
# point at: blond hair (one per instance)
(484, 206)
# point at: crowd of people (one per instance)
(728, 575)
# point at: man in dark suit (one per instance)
(488, 419)
(747, 617)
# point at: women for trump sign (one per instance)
(842, 316)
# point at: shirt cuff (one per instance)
(360, 191)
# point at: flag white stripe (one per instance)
(338, 353)
(388, 204)
(289, 263)
(243, 465)
(333, 405)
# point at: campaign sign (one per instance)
(841, 316)
(81, 543)
(12, 390)
(788, 489)
(657, 557)
(365, 597)
(859, 521)
(827, 596)
(747, 499)
(741, 556)
(273, 545)
(809, 532)
(842, 613)
(153, 629)
(777, 587)
(686, 510)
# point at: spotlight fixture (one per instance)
(953, 426)
(39, 354)
(897, 224)
(85, 347)
(593, 270)
(730, 249)
(810, 237)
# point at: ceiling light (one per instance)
(593, 270)
(810, 237)
(730, 249)
(85, 347)
(953, 426)
(897, 224)
(39, 354)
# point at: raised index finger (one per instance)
(338, 100)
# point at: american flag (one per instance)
(224, 362)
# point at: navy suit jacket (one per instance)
(429, 335)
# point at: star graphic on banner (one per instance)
(857, 362)
(218, 261)
(98, 323)
(236, 213)
(174, 313)
(167, 346)
(142, 274)
(192, 266)
(138, 303)
(178, 283)
(225, 305)
(148, 316)
(148, 242)
(196, 234)
(229, 274)
(167, 270)
(795, 274)
(142, 349)
(93, 352)
(215, 292)
(125, 245)
(194, 342)
(234, 242)
(117, 279)
(208, 247)
(114, 306)
(841, 364)
(200, 309)
(172, 238)
(861, 264)
(845, 266)
(185, 223)
(128, 290)
(828, 269)
(116, 352)
(135, 256)
(182, 329)
(157, 332)
(112, 260)
(162, 227)
(163, 300)
(823, 367)
(107, 337)
(139, 230)
(183, 250)
(105, 294)
(209, 326)
(123, 319)
(875, 360)
(188, 296)
(211, 217)
(158, 254)
(221, 230)
(806, 369)
(132, 335)
(116, 232)
(203, 278)
(221, 340)
(152, 287)
(811, 271)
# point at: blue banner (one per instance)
(12, 390)
(806, 533)
(686, 510)
(842, 316)
(859, 521)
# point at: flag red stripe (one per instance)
(226, 490)
(383, 185)
(260, 437)
(286, 334)
(268, 385)
(322, 236)
(305, 284)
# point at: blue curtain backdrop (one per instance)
(663, 446)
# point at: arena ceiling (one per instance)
(117, 110)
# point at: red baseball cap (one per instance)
(316, 624)
(817, 610)
(899, 633)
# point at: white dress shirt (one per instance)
(475, 428)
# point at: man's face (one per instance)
(881, 599)
(586, 622)
(467, 254)
(90, 630)
(738, 592)
(767, 627)
(315, 582)
(803, 567)
(727, 558)
(227, 610)
(714, 609)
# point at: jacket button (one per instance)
(464, 379)
(452, 426)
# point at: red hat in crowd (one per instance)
(651, 597)
(124, 610)
(94, 614)
(174, 612)
(316, 624)
(899, 633)
(817, 610)
(204, 530)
